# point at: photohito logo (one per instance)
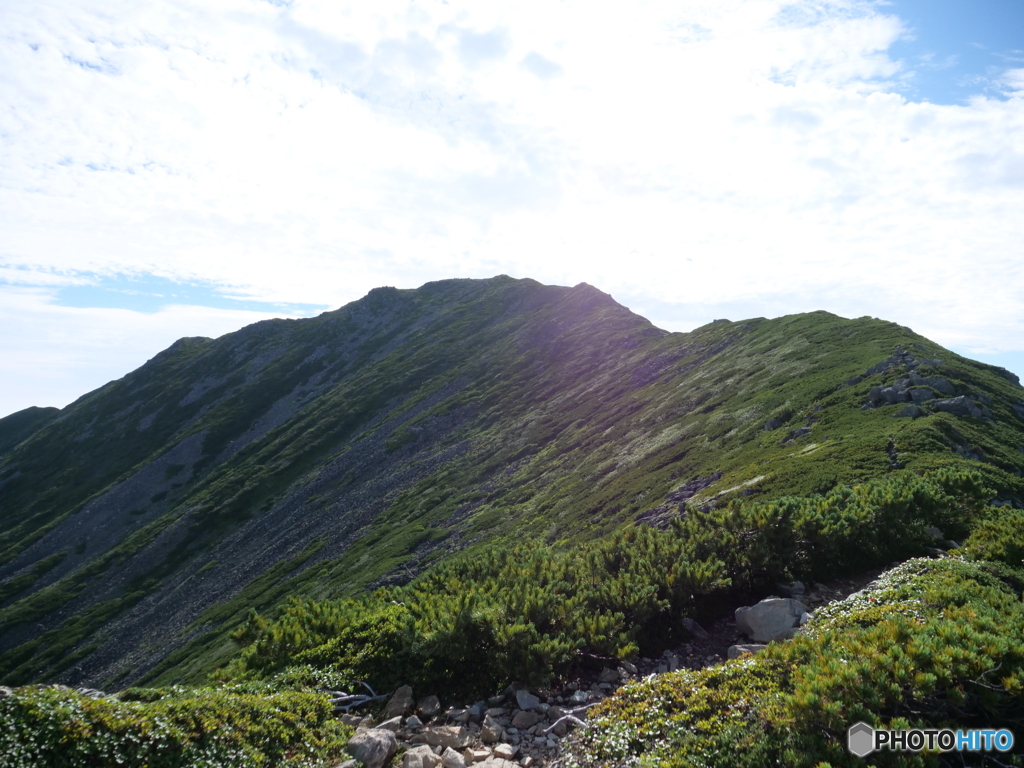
(862, 740)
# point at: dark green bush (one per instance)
(527, 613)
(52, 728)
(931, 644)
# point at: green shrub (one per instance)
(931, 644)
(1000, 538)
(52, 728)
(476, 622)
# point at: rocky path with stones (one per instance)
(524, 729)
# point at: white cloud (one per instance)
(718, 153)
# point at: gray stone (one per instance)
(413, 722)
(579, 697)
(735, 651)
(891, 395)
(921, 395)
(939, 384)
(444, 736)
(693, 628)
(773, 423)
(631, 668)
(350, 763)
(420, 756)
(526, 700)
(525, 719)
(497, 762)
(505, 751)
(393, 724)
(452, 759)
(471, 755)
(400, 704)
(373, 747)
(491, 731)
(608, 675)
(429, 706)
(958, 406)
(801, 431)
(771, 619)
(908, 411)
(476, 712)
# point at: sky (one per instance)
(174, 169)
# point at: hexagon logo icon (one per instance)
(860, 739)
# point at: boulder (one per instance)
(735, 651)
(452, 759)
(400, 704)
(373, 747)
(939, 384)
(693, 628)
(608, 675)
(505, 751)
(491, 731)
(526, 700)
(525, 719)
(444, 736)
(921, 395)
(413, 722)
(429, 706)
(958, 406)
(773, 423)
(393, 724)
(774, 618)
(908, 411)
(420, 756)
(893, 395)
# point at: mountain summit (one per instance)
(323, 456)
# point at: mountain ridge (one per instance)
(327, 455)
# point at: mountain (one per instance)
(321, 457)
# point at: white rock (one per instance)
(420, 756)
(373, 747)
(735, 651)
(452, 759)
(400, 704)
(505, 751)
(771, 619)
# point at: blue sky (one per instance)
(184, 168)
(957, 49)
(148, 293)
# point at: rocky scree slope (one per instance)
(319, 457)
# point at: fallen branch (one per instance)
(570, 717)
(343, 701)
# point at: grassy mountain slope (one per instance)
(318, 457)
